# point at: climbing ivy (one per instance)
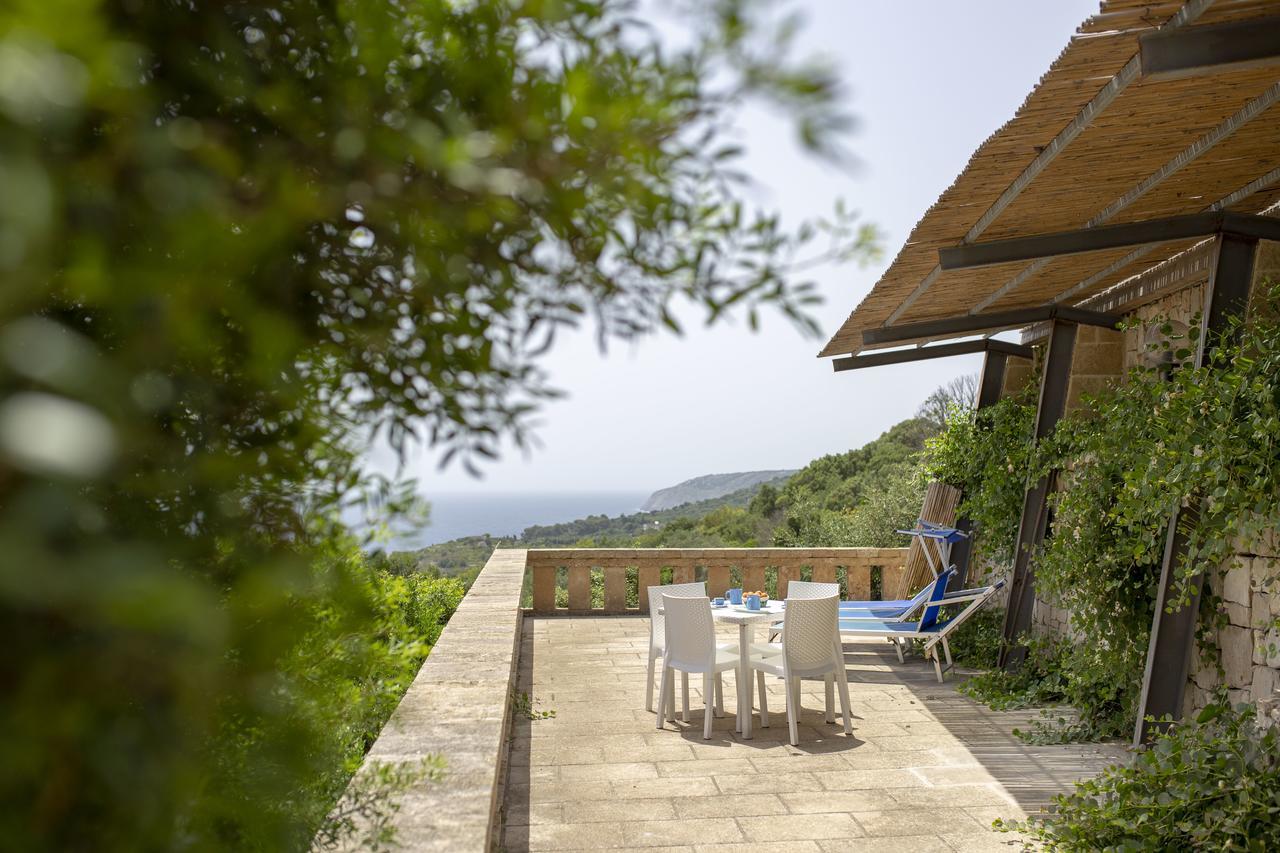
(1204, 438)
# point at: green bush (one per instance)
(977, 642)
(1213, 784)
(986, 454)
(361, 635)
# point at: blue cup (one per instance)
(735, 595)
(718, 602)
(753, 602)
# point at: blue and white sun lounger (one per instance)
(898, 609)
(928, 628)
(886, 609)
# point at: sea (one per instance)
(458, 514)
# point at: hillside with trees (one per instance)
(850, 499)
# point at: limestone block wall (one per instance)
(1096, 365)
(1180, 306)
(1249, 589)
(1248, 643)
(1017, 373)
(458, 708)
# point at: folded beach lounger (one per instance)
(929, 628)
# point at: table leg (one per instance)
(744, 679)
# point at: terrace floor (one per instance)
(926, 770)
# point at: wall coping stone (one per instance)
(459, 708)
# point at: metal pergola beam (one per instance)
(1034, 524)
(1173, 54)
(1108, 237)
(903, 356)
(1173, 630)
(969, 324)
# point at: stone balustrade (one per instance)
(614, 580)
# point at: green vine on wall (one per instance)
(1206, 439)
(987, 455)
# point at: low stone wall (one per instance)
(626, 573)
(457, 709)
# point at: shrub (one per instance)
(361, 635)
(977, 642)
(986, 455)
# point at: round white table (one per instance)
(746, 620)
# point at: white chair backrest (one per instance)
(810, 589)
(809, 633)
(691, 633)
(657, 632)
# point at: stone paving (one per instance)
(926, 769)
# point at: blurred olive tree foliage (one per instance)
(238, 239)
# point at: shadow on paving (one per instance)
(1031, 774)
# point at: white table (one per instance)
(746, 620)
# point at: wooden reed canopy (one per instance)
(1097, 142)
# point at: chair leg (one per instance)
(842, 681)
(669, 677)
(648, 686)
(684, 709)
(709, 709)
(719, 688)
(662, 696)
(793, 710)
(830, 686)
(937, 664)
(897, 647)
(764, 700)
(946, 647)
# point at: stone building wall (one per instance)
(1017, 373)
(1179, 307)
(1249, 642)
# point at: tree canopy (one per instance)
(237, 240)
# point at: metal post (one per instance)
(1054, 382)
(1173, 631)
(990, 384)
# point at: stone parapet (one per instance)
(458, 710)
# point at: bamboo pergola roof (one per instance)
(1095, 143)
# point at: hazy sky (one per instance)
(927, 82)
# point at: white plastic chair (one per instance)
(691, 648)
(805, 589)
(657, 640)
(810, 648)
